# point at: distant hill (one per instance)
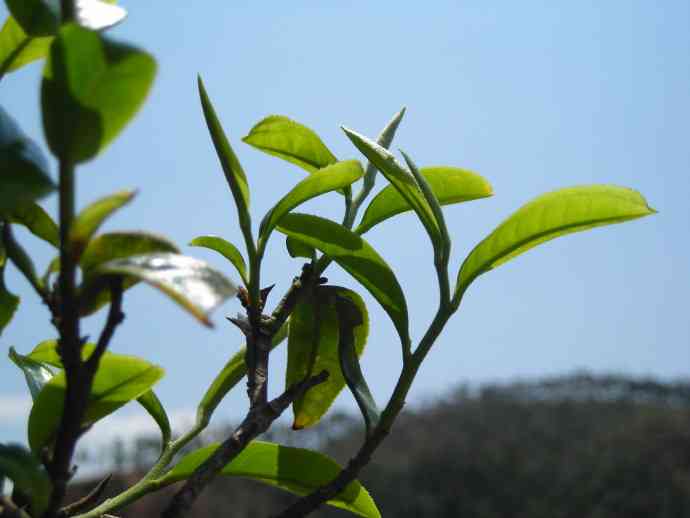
(578, 446)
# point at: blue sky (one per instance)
(532, 95)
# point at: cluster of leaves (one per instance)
(91, 87)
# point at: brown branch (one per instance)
(88, 501)
(256, 422)
(80, 377)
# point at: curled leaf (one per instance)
(227, 250)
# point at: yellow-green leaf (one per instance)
(227, 250)
(547, 217)
(280, 136)
(449, 185)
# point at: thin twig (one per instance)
(254, 424)
(88, 501)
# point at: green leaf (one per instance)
(449, 184)
(547, 217)
(313, 347)
(352, 317)
(36, 220)
(279, 136)
(23, 168)
(20, 258)
(37, 373)
(115, 245)
(298, 249)
(400, 179)
(90, 219)
(330, 178)
(18, 49)
(92, 87)
(229, 376)
(227, 250)
(282, 467)
(8, 301)
(234, 174)
(357, 257)
(191, 283)
(36, 17)
(45, 353)
(119, 379)
(154, 407)
(28, 476)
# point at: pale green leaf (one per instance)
(330, 178)
(36, 373)
(449, 185)
(227, 250)
(280, 136)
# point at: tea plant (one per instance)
(91, 87)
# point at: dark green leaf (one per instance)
(45, 353)
(357, 257)
(352, 315)
(37, 373)
(298, 249)
(17, 48)
(28, 476)
(91, 89)
(400, 179)
(23, 168)
(234, 174)
(119, 379)
(330, 178)
(36, 220)
(36, 17)
(313, 347)
(89, 220)
(115, 245)
(279, 136)
(20, 258)
(191, 283)
(282, 467)
(154, 407)
(227, 250)
(547, 217)
(8, 301)
(230, 376)
(449, 184)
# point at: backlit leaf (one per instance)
(23, 168)
(92, 87)
(89, 220)
(46, 353)
(191, 283)
(18, 49)
(226, 249)
(330, 178)
(36, 220)
(119, 379)
(282, 137)
(547, 217)
(298, 249)
(449, 184)
(357, 257)
(282, 467)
